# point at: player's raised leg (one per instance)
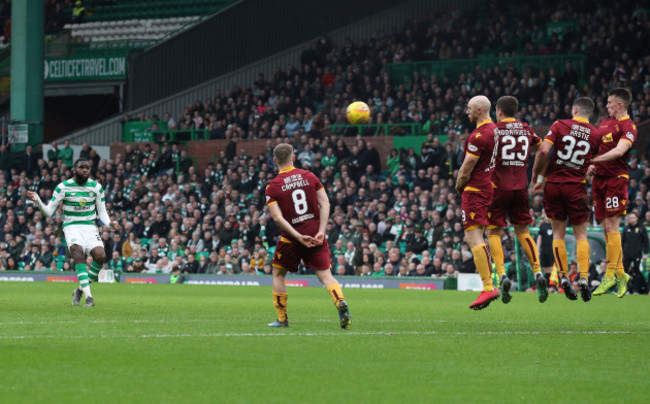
(582, 253)
(561, 258)
(496, 250)
(612, 225)
(481, 254)
(613, 256)
(530, 249)
(99, 258)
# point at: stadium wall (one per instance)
(204, 150)
(109, 131)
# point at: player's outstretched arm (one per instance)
(324, 205)
(619, 151)
(49, 209)
(276, 214)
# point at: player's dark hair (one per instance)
(585, 105)
(508, 105)
(622, 94)
(283, 153)
(80, 160)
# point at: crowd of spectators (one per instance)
(216, 222)
(311, 97)
(395, 215)
(57, 14)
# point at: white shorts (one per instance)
(85, 236)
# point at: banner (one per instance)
(85, 69)
(347, 282)
(18, 133)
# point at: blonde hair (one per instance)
(282, 153)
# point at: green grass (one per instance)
(208, 344)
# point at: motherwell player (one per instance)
(510, 200)
(475, 188)
(299, 205)
(609, 186)
(565, 195)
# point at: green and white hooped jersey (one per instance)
(81, 203)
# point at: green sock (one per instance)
(82, 276)
(93, 272)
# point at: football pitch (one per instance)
(210, 344)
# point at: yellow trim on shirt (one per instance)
(624, 138)
(508, 120)
(581, 119)
(478, 125)
(474, 189)
(287, 169)
(271, 203)
(548, 140)
(473, 155)
(624, 118)
(285, 240)
(624, 176)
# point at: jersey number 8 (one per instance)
(299, 201)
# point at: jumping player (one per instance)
(475, 188)
(565, 194)
(299, 205)
(510, 181)
(609, 186)
(83, 202)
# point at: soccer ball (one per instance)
(357, 113)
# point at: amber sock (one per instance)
(496, 250)
(280, 303)
(482, 262)
(613, 253)
(530, 248)
(582, 253)
(336, 293)
(559, 252)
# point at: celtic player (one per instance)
(83, 202)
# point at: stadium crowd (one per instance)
(396, 215)
(310, 98)
(215, 222)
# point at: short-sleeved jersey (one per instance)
(575, 142)
(481, 144)
(294, 190)
(515, 140)
(613, 131)
(79, 201)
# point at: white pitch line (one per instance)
(321, 320)
(326, 334)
